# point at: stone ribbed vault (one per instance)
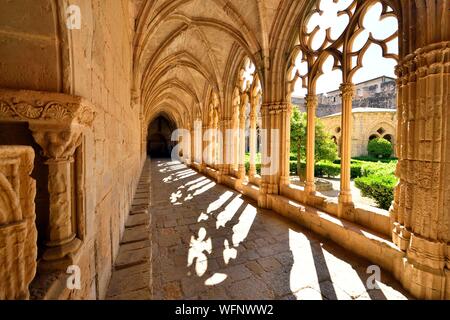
(83, 95)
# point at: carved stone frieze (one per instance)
(38, 107)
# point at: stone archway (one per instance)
(159, 142)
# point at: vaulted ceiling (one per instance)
(186, 49)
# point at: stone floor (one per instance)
(209, 242)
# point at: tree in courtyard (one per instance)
(325, 148)
(380, 148)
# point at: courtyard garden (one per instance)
(373, 176)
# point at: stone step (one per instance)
(128, 280)
(131, 278)
(140, 207)
(140, 201)
(135, 234)
(129, 258)
(138, 220)
(138, 211)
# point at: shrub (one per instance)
(293, 166)
(373, 159)
(257, 162)
(378, 168)
(327, 168)
(356, 170)
(380, 148)
(378, 187)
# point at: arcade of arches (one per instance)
(82, 107)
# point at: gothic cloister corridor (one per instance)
(210, 242)
(309, 147)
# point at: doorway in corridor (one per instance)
(159, 144)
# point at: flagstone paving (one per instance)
(194, 239)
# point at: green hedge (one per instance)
(321, 169)
(326, 168)
(378, 187)
(380, 148)
(258, 167)
(358, 168)
(293, 166)
(378, 168)
(373, 159)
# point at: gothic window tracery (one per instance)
(336, 43)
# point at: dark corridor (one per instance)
(159, 143)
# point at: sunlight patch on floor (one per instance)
(197, 248)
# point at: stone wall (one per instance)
(29, 52)
(39, 53)
(376, 93)
(367, 123)
(102, 55)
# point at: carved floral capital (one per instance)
(45, 107)
(276, 107)
(347, 90)
(430, 60)
(312, 101)
(56, 120)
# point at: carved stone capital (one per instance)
(429, 60)
(312, 101)
(347, 90)
(45, 107)
(56, 121)
(225, 123)
(253, 117)
(57, 144)
(276, 107)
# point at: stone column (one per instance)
(18, 234)
(216, 140)
(203, 146)
(209, 143)
(241, 152)
(59, 145)
(198, 142)
(226, 157)
(187, 145)
(253, 138)
(235, 140)
(345, 196)
(311, 106)
(57, 122)
(420, 214)
(192, 153)
(212, 146)
(284, 118)
(275, 117)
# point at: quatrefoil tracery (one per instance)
(345, 46)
